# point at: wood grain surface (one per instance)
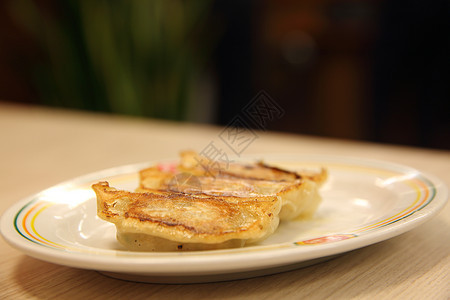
(41, 147)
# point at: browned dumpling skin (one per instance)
(170, 221)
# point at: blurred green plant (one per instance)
(132, 57)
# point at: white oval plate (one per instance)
(364, 202)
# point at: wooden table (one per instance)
(42, 147)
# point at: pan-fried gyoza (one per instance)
(187, 206)
(170, 221)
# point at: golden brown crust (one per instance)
(198, 165)
(188, 218)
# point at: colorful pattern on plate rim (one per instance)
(24, 221)
(426, 192)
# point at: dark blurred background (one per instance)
(365, 70)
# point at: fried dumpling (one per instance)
(298, 191)
(173, 221)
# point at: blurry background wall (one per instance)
(368, 70)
